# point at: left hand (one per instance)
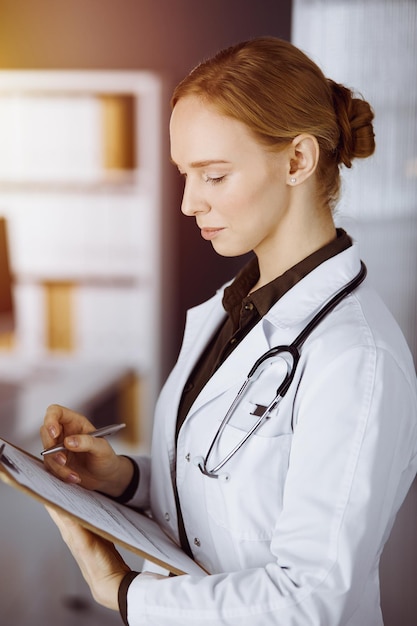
(101, 565)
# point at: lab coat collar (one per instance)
(301, 302)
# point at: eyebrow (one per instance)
(205, 163)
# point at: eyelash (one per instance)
(214, 180)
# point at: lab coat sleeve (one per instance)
(351, 464)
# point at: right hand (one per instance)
(88, 461)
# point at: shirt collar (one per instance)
(265, 297)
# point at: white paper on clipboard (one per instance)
(116, 522)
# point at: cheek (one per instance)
(251, 200)
(231, 203)
(242, 197)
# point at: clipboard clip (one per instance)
(6, 461)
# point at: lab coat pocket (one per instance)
(258, 397)
(249, 502)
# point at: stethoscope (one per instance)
(292, 358)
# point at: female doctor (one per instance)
(287, 507)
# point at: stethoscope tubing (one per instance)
(294, 350)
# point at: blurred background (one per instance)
(97, 264)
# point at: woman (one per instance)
(292, 530)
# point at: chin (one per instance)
(230, 251)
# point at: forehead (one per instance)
(198, 132)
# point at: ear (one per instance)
(304, 156)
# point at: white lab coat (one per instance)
(294, 537)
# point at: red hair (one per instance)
(279, 93)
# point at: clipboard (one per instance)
(115, 522)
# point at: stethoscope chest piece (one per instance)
(199, 462)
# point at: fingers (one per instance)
(61, 519)
(74, 535)
(97, 446)
(85, 460)
(57, 464)
(66, 466)
(59, 422)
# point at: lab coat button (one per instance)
(197, 542)
(167, 517)
(188, 457)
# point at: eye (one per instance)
(213, 180)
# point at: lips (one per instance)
(210, 233)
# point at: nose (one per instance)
(193, 201)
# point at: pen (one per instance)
(100, 432)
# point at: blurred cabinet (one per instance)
(80, 193)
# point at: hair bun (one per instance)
(354, 117)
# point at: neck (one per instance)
(295, 241)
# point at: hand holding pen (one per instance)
(100, 432)
(77, 453)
